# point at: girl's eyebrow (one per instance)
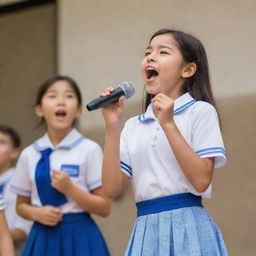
(69, 90)
(165, 46)
(160, 47)
(50, 90)
(53, 90)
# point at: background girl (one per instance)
(169, 152)
(58, 179)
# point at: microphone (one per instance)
(123, 88)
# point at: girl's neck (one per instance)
(176, 92)
(175, 95)
(56, 136)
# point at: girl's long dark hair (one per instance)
(192, 50)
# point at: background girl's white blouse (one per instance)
(80, 157)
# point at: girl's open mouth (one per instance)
(151, 73)
(60, 114)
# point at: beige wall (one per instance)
(101, 43)
(28, 57)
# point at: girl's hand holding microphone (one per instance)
(111, 102)
(112, 113)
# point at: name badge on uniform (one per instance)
(71, 170)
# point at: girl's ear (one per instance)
(79, 111)
(189, 70)
(38, 110)
(15, 153)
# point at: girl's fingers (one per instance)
(121, 100)
(55, 173)
(56, 210)
(107, 91)
(50, 223)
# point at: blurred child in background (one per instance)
(9, 151)
(58, 179)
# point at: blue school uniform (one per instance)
(171, 219)
(77, 234)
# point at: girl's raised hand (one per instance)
(61, 181)
(112, 113)
(48, 215)
(163, 109)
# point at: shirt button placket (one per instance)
(155, 135)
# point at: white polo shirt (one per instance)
(147, 157)
(13, 219)
(76, 155)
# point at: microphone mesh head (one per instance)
(128, 89)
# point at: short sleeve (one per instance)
(206, 135)
(21, 184)
(2, 203)
(124, 153)
(23, 224)
(94, 167)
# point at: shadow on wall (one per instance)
(233, 203)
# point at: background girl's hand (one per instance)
(163, 109)
(61, 181)
(48, 215)
(112, 113)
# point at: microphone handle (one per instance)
(104, 101)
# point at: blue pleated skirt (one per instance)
(76, 235)
(175, 225)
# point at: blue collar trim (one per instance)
(176, 111)
(75, 143)
(149, 115)
(69, 146)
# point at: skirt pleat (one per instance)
(149, 244)
(187, 231)
(137, 234)
(164, 242)
(67, 244)
(76, 235)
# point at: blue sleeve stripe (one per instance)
(126, 170)
(126, 165)
(20, 191)
(126, 173)
(212, 152)
(211, 149)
